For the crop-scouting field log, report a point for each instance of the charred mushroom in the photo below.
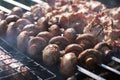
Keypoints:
(51, 54)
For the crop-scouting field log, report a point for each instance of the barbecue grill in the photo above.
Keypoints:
(40, 71)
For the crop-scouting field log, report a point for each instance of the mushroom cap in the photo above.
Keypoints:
(20, 23)
(55, 30)
(70, 34)
(86, 40)
(11, 33)
(12, 18)
(31, 28)
(68, 64)
(3, 28)
(36, 45)
(29, 16)
(51, 54)
(61, 41)
(76, 48)
(106, 50)
(17, 11)
(89, 58)
(46, 35)
(22, 40)
(102, 47)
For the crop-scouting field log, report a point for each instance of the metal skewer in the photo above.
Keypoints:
(5, 9)
(37, 1)
(110, 69)
(17, 4)
(115, 59)
(90, 74)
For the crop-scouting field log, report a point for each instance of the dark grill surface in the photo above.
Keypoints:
(39, 71)
(35, 70)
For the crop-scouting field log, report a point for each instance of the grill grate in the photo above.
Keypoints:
(12, 58)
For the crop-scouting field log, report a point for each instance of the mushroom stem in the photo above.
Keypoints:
(89, 61)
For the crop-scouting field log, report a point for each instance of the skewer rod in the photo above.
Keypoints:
(37, 1)
(18, 4)
(109, 68)
(116, 59)
(5, 9)
(90, 74)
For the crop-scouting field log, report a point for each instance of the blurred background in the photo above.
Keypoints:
(108, 3)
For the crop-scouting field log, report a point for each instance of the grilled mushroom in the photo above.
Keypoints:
(31, 28)
(2, 15)
(20, 23)
(17, 11)
(11, 33)
(29, 16)
(46, 35)
(22, 40)
(3, 28)
(76, 48)
(89, 58)
(51, 54)
(35, 46)
(68, 64)
(70, 34)
(86, 40)
(61, 41)
(55, 30)
(12, 18)
(105, 49)
(42, 23)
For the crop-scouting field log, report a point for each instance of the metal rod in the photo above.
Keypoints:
(90, 74)
(37, 1)
(17, 4)
(111, 69)
(5, 9)
(115, 59)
